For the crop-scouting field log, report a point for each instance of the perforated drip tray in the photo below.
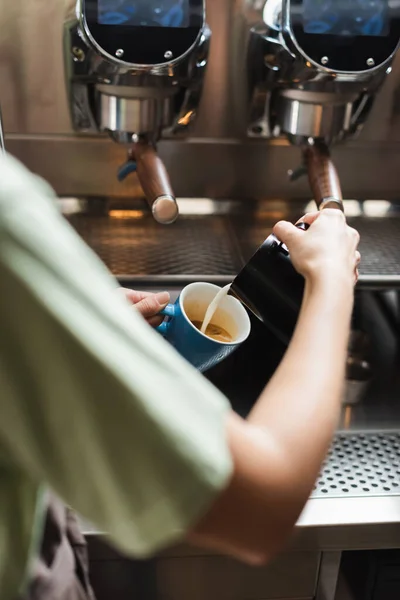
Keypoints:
(133, 245)
(379, 246)
(361, 464)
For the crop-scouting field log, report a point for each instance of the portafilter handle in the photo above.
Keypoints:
(323, 176)
(155, 182)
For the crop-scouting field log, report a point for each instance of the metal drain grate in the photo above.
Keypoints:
(380, 245)
(140, 247)
(361, 465)
(131, 243)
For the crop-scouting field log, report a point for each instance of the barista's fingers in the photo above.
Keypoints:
(155, 321)
(146, 303)
(356, 236)
(133, 296)
(152, 305)
(286, 232)
(358, 261)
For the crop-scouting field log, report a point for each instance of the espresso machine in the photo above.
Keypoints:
(135, 71)
(315, 67)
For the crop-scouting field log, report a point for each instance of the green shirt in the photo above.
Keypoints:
(94, 403)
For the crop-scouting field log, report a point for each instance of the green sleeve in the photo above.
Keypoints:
(93, 401)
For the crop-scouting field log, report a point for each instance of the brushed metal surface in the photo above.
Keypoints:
(216, 162)
(319, 120)
(131, 114)
(205, 168)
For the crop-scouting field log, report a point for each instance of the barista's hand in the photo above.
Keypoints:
(327, 249)
(149, 305)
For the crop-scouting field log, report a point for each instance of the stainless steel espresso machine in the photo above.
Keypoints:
(315, 67)
(135, 71)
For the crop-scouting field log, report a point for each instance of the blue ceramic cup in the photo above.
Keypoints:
(202, 351)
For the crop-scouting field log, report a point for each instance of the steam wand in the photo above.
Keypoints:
(153, 177)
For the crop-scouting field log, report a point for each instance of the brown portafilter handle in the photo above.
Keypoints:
(323, 177)
(154, 179)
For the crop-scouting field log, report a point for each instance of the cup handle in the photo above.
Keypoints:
(169, 311)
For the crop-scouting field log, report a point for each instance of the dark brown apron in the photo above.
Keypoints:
(61, 571)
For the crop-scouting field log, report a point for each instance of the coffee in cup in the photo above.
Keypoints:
(215, 332)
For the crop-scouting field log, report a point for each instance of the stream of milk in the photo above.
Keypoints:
(213, 307)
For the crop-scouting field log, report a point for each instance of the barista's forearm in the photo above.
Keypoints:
(300, 406)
